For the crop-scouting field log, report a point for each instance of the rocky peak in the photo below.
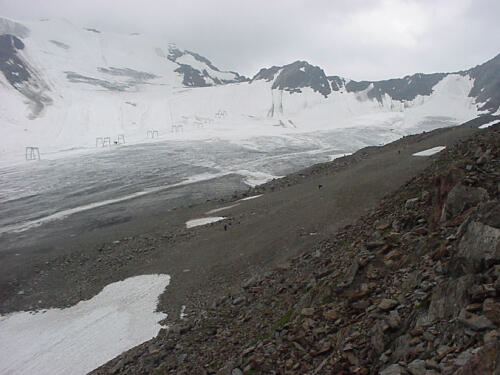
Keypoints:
(198, 71)
(294, 76)
(486, 87)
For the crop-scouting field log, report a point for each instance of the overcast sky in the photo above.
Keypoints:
(359, 39)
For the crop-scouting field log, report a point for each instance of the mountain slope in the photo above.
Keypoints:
(62, 86)
(412, 287)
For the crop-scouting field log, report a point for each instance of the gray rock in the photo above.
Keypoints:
(307, 311)
(181, 358)
(479, 248)
(410, 204)
(475, 322)
(463, 358)
(394, 320)
(417, 367)
(447, 299)
(374, 244)
(394, 369)
(236, 371)
(462, 197)
(387, 304)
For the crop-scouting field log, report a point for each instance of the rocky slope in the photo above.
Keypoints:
(300, 74)
(411, 288)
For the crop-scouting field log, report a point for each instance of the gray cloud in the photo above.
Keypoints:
(352, 38)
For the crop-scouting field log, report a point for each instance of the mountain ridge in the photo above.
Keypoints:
(66, 85)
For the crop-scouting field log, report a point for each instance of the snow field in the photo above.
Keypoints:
(80, 338)
(430, 151)
(203, 221)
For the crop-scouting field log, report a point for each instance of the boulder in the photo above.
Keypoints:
(394, 369)
(387, 304)
(491, 310)
(463, 197)
(448, 298)
(479, 248)
(485, 361)
(474, 322)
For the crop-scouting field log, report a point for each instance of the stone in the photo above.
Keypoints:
(393, 369)
(307, 311)
(463, 197)
(393, 319)
(448, 298)
(374, 244)
(479, 248)
(239, 300)
(236, 371)
(491, 309)
(416, 331)
(331, 314)
(491, 336)
(410, 204)
(387, 304)
(463, 358)
(485, 361)
(474, 322)
(417, 367)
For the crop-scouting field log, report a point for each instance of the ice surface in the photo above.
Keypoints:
(80, 338)
(202, 221)
(430, 151)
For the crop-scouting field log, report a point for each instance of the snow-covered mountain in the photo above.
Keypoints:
(62, 86)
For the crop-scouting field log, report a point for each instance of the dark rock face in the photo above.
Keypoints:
(20, 75)
(60, 44)
(127, 72)
(406, 88)
(266, 73)
(93, 30)
(193, 77)
(336, 82)
(10, 64)
(295, 76)
(135, 78)
(292, 77)
(486, 87)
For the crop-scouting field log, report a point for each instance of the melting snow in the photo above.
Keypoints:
(80, 338)
(203, 221)
(484, 126)
(249, 198)
(221, 209)
(336, 156)
(430, 151)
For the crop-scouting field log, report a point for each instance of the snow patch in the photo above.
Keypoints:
(215, 210)
(203, 221)
(336, 156)
(80, 338)
(484, 126)
(249, 198)
(255, 178)
(430, 151)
